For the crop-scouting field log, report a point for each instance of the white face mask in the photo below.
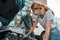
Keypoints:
(35, 13)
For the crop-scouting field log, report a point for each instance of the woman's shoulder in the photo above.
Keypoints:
(49, 11)
(49, 15)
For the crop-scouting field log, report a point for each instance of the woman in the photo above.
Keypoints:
(46, 19)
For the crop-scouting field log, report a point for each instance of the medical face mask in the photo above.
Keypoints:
(36, 14)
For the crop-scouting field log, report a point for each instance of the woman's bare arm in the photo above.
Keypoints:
(32, 28)
(47, 33)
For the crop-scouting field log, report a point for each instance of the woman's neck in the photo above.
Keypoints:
(41, 16)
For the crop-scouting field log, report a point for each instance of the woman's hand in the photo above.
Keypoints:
(25, 36)
(44, 37)
(30, 31)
